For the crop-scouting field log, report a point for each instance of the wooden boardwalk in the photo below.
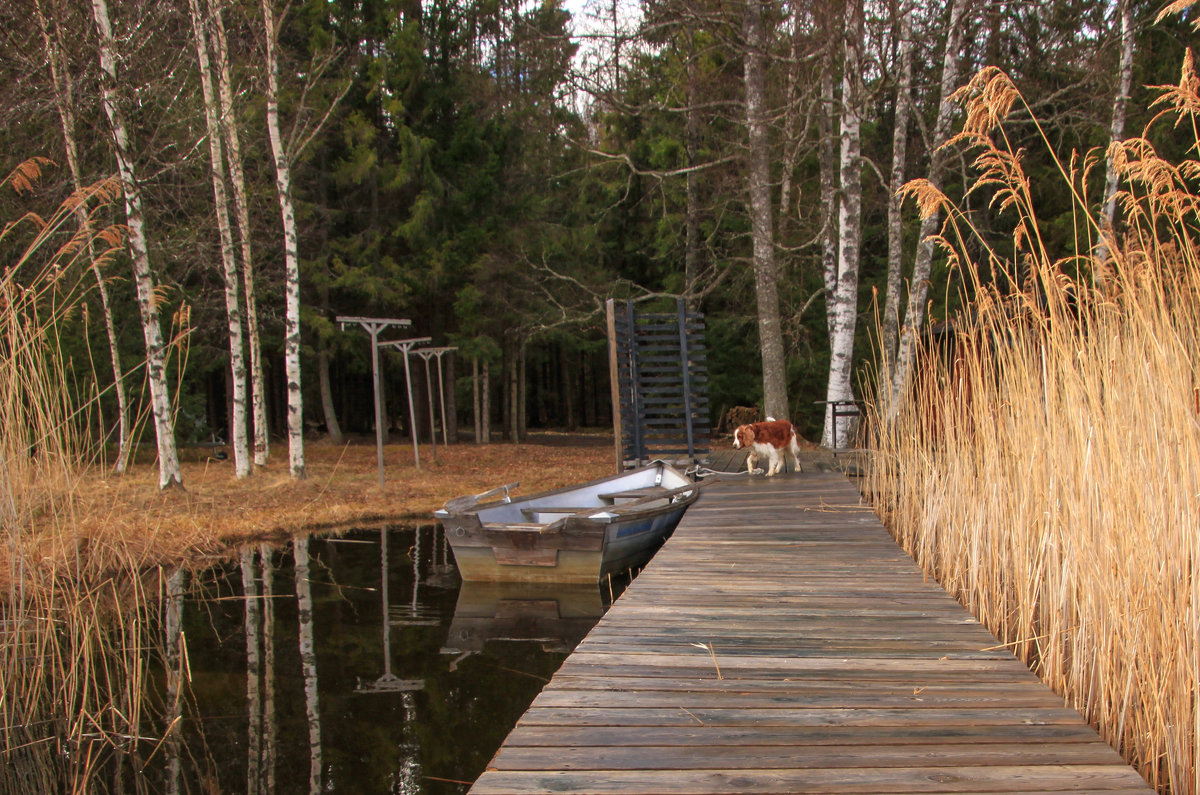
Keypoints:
(782, 643)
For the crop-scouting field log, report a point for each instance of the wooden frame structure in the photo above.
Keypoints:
(659, 379)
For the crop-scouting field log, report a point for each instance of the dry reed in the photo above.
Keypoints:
(1045, 467)
(74, 649)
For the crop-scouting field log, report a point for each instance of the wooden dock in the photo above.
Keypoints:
(782, 643)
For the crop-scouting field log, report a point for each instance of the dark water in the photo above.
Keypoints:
(384, 675)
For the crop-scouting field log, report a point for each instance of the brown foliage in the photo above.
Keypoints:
(127, 518)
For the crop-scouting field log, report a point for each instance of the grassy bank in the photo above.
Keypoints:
(1046, 466)
(126, 520)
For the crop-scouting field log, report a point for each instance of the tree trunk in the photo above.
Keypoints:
(904, 104)
(308, 662)
(844, 307)
(828, 168)
(770, 330)
(328, 410)
(233, 302)
(1117, 130)
(65, 102)
(266, 556)
(919, 286)
(448, 382)
(691, 245)
(283, 185)
(241, 204)
(485, 411)
(512, 397)
(169, 474)
(252, 612)
(331, 421)
(522, 393)
(791, 122)
(476, 405)
(570, 392)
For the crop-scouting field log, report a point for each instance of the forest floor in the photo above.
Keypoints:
(119, 521)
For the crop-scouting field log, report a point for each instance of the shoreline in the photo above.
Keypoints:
(114, 523)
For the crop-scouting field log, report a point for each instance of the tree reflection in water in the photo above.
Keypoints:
(407, 702)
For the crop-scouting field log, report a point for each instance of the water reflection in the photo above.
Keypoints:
(360, 665)
(554, 616)
(349, 665)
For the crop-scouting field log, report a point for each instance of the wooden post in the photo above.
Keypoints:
(686, 368)
(425, 354)
(614, 379)
(404, 346)
(435, 353)
(373, 326)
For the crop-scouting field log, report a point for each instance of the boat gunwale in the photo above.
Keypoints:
(474, 510)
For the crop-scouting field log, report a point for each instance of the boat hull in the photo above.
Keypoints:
(558, 546)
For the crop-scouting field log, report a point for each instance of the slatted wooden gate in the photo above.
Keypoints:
(659, 376)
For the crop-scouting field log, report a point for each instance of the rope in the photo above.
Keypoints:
(699, 472)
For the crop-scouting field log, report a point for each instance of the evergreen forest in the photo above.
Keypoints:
(213, 183)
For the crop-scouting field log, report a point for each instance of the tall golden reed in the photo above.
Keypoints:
(1046, 466)
(74, 644)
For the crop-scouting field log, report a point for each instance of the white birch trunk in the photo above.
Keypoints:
(175, 644)
(269, 722)
(770, 330)
(904, 104)
(241, 204)
(283, 184)
(233, 301)
(65, 101)
(169, 474)
(1117, 129)
(253, 618)
(308, 663)
(828, 167)
(918, 289)
(844, 306)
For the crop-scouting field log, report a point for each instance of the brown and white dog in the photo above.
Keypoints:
(768, 439)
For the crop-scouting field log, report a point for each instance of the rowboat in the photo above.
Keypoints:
(576, 534)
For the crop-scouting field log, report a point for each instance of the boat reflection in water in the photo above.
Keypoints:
(555, 616)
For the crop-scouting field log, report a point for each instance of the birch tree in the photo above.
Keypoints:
(828, 166)
(918, 289)
(241, 204)
(1117, 128)
(233, 312)
(169, 474)
(770, 330)
(843, 304)
(283, 189)
(64, 100)
(895, 221)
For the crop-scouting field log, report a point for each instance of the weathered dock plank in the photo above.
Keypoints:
(782, 643)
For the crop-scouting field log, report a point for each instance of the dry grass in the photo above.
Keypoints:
(123, 521)
(1046, 467)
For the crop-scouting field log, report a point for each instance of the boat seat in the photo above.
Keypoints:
(528, 513)
(634, 494)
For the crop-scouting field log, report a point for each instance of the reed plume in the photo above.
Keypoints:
(1045, 467)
